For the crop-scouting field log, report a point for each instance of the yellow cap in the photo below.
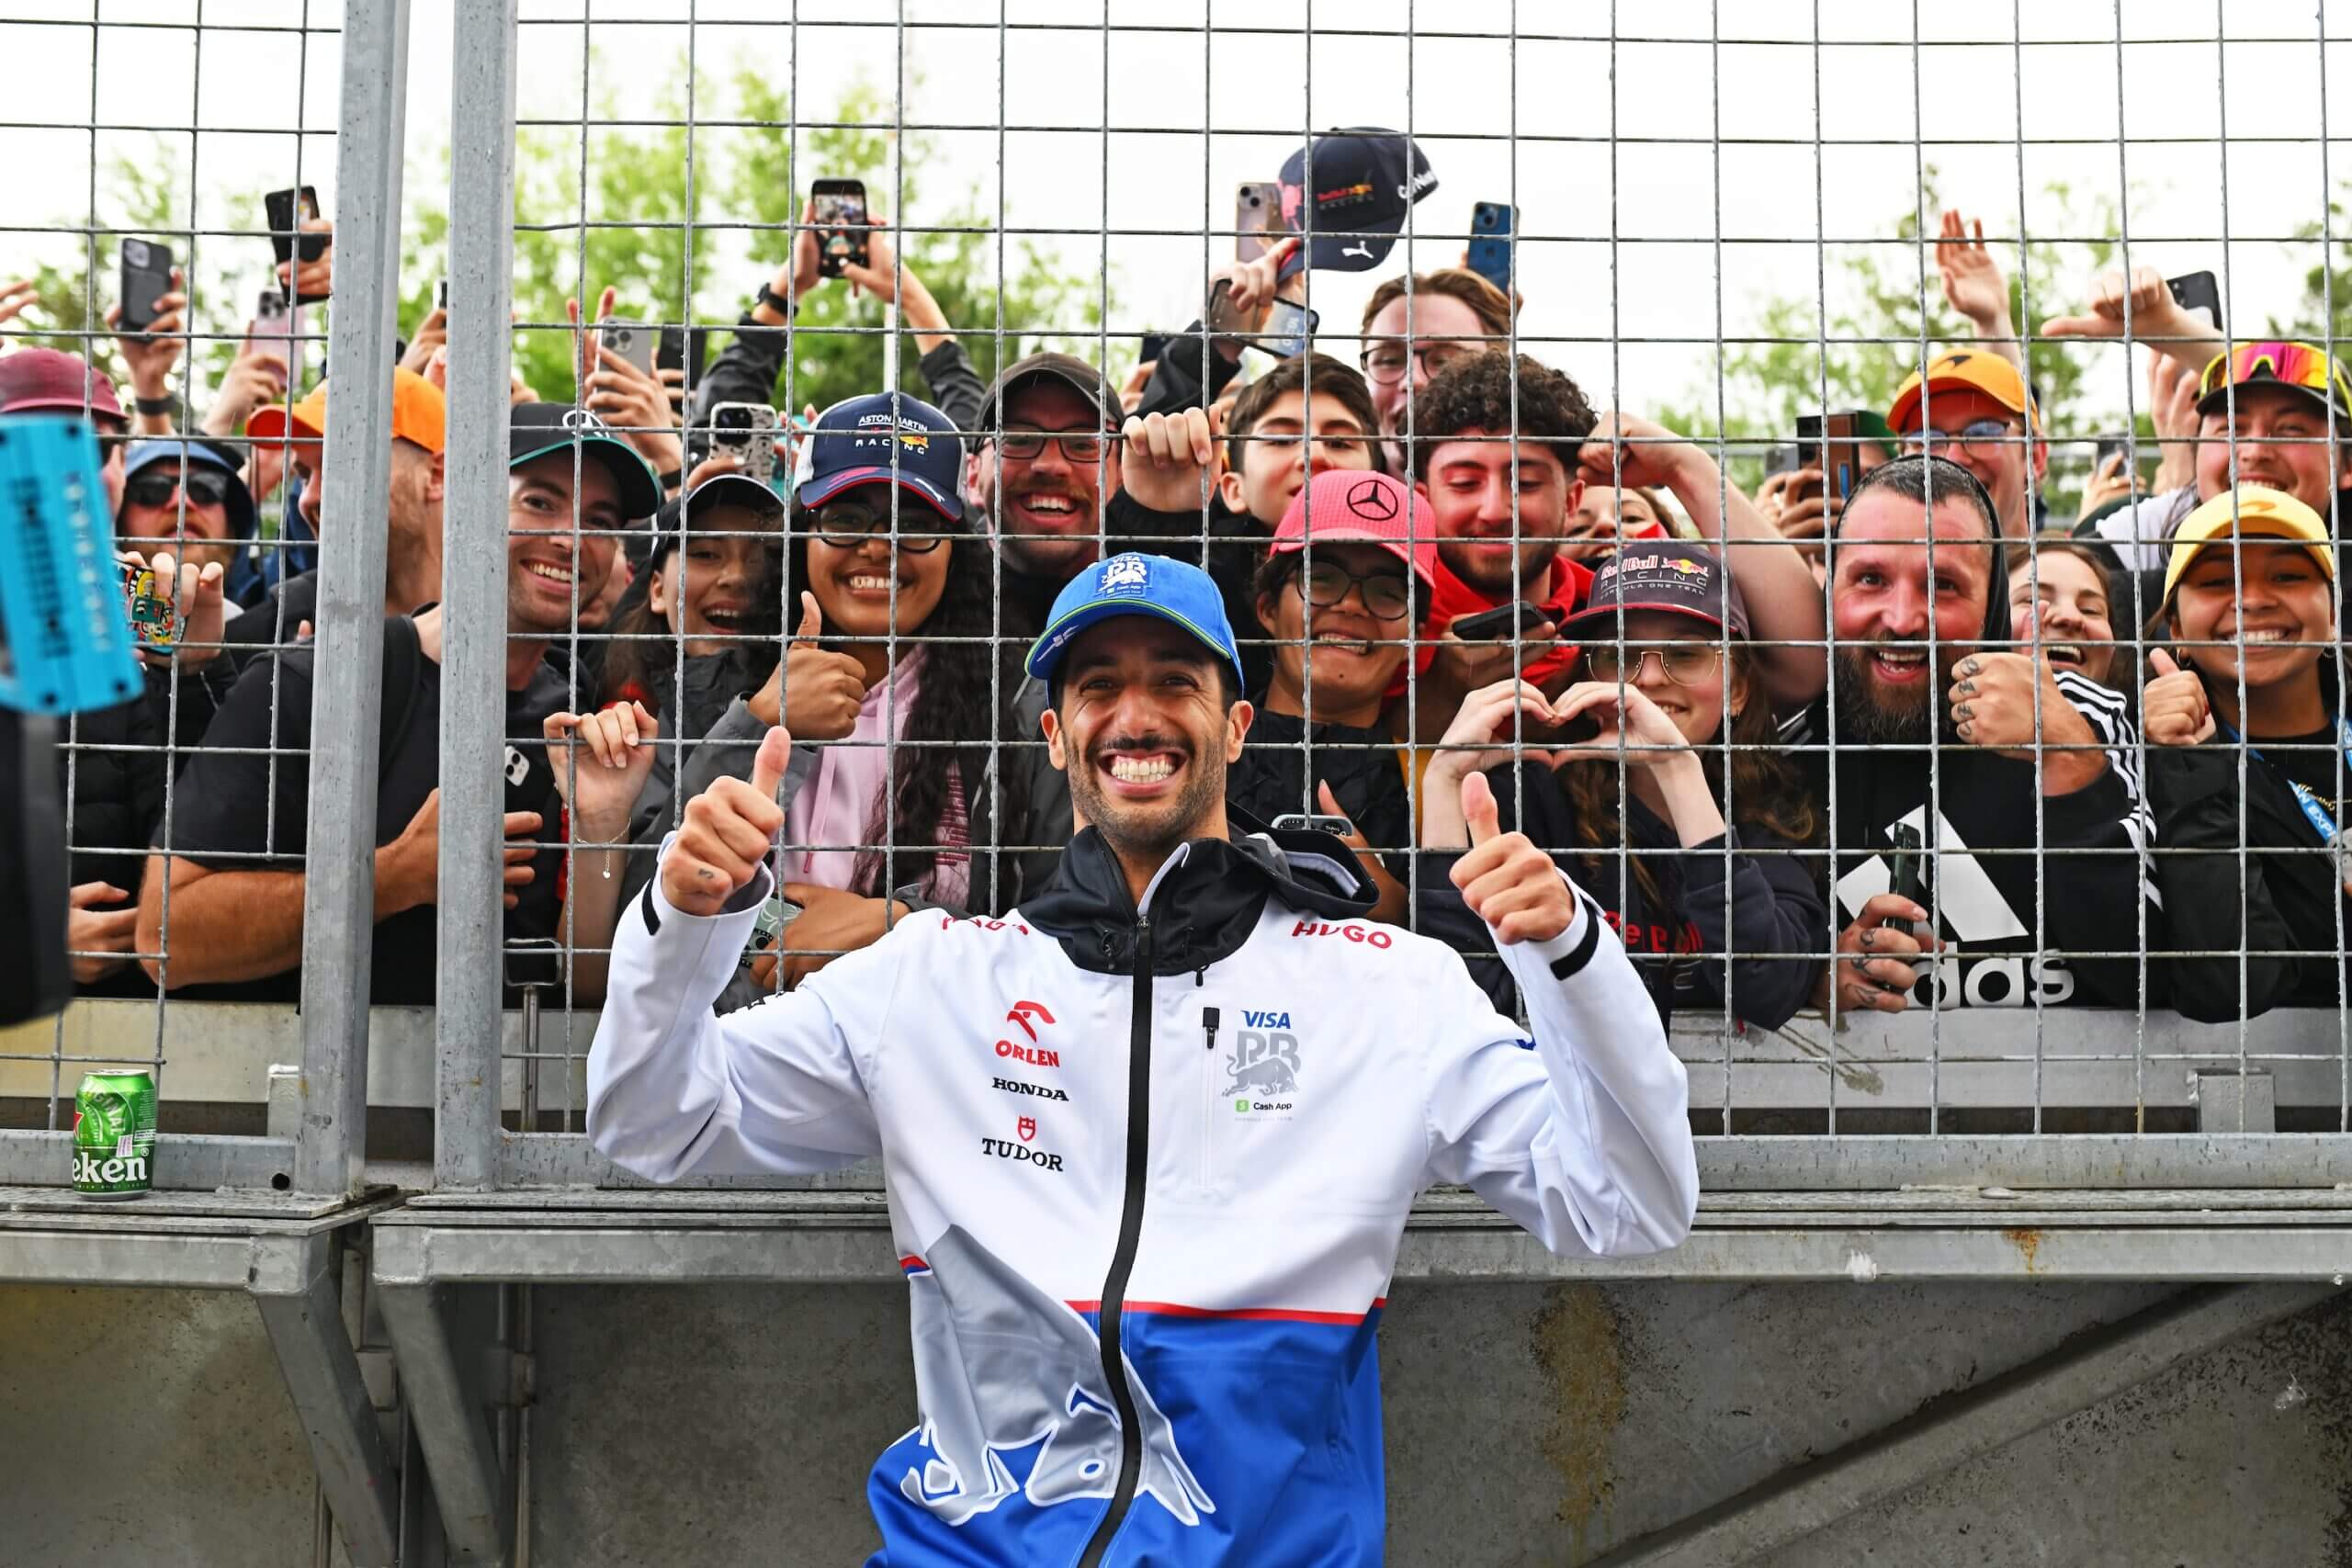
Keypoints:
(1963, 370)
(2252, 512)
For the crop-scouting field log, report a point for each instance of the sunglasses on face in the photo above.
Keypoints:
(204, 488)
(2294, 364)
(847, 525)
(1326, 583)
(1685, 663)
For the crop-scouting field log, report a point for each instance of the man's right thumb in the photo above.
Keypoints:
(2162, 662)
(1479, 809)
(767, 768)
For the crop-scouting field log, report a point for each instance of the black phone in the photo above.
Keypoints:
(1909, 878)
(2108, 446)
(837, 210)
(1513, 620)
(1154, 344)
(1829, 441)
(669, 349)
(287, 210)
(2192, 290)
(146, 278)
(1491, 226)
(1313, 822)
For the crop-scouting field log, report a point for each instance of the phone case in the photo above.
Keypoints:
(1489, 253)
(62, 617)
(146, 278)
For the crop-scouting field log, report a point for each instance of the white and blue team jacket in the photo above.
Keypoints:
(1147, 1173)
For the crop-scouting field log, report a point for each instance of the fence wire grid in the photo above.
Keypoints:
(1922, 352)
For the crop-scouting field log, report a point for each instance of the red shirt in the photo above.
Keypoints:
(1452, 598)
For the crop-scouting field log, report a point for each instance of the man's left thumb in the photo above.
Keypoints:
(1479, 809)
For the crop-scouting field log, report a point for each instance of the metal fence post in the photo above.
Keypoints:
(473, 663)
(338, 901)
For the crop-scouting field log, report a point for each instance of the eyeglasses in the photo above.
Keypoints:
(1326, 583)
(1078, 445)
(1979, 438)
(847, 525)
(205, 487)
(1685, 663)
(2295, 364)
(1386, 363)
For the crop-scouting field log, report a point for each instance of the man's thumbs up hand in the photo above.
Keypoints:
(729, 829)
(1506, 880)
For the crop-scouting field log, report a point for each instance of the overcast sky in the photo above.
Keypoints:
(1661, 235)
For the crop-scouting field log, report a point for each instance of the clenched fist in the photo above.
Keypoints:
(729, 829)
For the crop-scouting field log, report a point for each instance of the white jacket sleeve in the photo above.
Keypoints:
(1584, 1138)
(773, 1088)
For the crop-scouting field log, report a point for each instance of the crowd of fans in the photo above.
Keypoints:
(1886, 735)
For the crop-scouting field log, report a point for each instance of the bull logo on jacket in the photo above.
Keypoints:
(1264, 1059)
(1000, 1368)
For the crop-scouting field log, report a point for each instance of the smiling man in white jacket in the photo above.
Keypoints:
(1150, 1139)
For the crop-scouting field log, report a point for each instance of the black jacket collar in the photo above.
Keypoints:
(1205, 904)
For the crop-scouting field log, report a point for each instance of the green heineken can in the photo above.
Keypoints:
(114, 1134)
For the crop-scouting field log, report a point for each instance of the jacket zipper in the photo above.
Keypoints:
(1123, 1256)
(1208, 1087)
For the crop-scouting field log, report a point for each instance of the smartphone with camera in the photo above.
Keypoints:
(632, 340)
(1491, 226)
(1829, 441)
(1314, 822)
(2198, 290)
(146, 278)
(287, 210)
(837, 210)
(749, 431)
(271, 332)
(1908, 861)
(1257, 223)
(1514, 621)
(1222, 317)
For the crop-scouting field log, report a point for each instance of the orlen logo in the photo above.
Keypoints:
(1368, 934)
(1034, 1054)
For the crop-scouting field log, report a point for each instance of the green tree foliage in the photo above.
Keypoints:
(2323, 315)
(619, 214)
(1790, 360)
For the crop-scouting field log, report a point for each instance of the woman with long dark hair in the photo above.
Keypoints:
(920, 754)
(1699, 872)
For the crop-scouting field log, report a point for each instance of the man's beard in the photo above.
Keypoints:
(1153, 833)
(1534, 569)
(1863, 720)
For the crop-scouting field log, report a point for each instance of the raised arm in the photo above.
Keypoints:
(674, 1091)
(1586, 1139)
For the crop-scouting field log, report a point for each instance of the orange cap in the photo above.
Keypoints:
(1962, 370)
(419, 414)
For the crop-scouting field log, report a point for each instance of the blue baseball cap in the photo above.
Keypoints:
(884, 438)
(236, 502)
(1365, 178)
(1132, 584)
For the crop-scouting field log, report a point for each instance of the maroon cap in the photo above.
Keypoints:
(1342, 506)
(46, 380)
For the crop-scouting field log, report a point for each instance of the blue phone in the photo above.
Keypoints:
(65, 635)
(1492, 223)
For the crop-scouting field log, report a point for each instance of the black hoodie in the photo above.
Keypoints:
(2005, 914)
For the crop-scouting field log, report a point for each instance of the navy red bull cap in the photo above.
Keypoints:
(1365, 178)
(883, 438)
(1176, 591)
(1671, 575)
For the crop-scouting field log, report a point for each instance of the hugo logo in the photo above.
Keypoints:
(1369, 935)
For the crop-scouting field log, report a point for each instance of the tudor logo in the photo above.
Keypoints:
(1372, 501)
(1027, 1128)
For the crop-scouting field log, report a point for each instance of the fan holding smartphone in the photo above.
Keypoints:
(149, 320)
(303, 240)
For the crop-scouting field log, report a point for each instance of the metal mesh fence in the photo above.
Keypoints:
(1647, 311)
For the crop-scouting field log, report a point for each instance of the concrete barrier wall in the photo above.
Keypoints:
(1528, 1425)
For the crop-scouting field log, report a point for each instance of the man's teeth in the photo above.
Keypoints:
(1141, 770)
(1904, 656)
(552, 574)
(1054, 503)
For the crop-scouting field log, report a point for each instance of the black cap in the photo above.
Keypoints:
(720, 489)
(1671, 575)
(1069, 370)
(1365, 180)
(535, 429)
